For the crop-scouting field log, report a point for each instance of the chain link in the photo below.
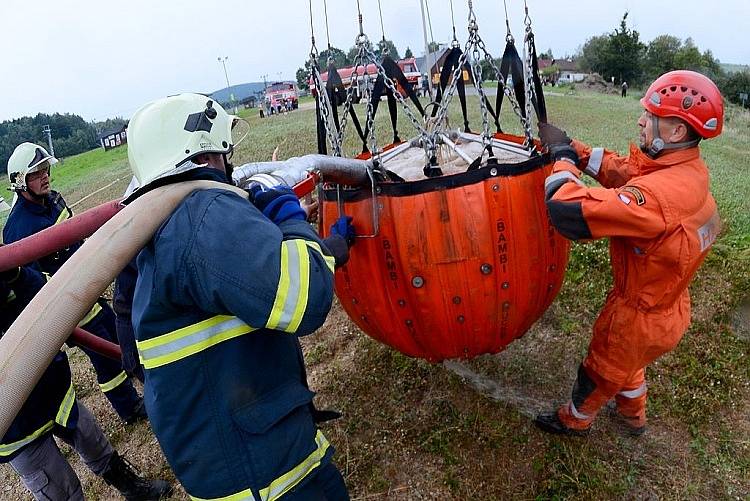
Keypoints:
(476, 70)
(324, 102)
(527, 48)
(361, 42)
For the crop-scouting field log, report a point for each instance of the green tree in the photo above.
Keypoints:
(338, 56)
(408, 54)
(302, 77)
(433, 47)
(623, 54)
(732, 85)
(591, 55)
(71, 134)
(660, 55)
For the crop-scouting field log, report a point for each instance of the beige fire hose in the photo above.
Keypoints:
(30, 344)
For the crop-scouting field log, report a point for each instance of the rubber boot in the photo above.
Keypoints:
(121, 475)
(550, 422)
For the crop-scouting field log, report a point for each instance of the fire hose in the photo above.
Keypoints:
(72, 291)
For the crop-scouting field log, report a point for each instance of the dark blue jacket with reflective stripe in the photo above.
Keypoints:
(27, 218)
(231, 410)
(40, 412)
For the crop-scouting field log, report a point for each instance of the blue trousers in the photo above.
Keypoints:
(115, 385)
(325, 485)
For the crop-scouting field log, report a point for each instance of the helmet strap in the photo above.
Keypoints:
(228, 169)
(658, 145)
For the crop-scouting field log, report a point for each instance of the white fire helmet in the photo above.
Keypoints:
(25, 159)
(164, 135)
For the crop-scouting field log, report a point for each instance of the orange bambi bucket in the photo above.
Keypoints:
(453, 266)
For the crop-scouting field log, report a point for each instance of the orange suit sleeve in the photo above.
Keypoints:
(607, 167)
(581, 212)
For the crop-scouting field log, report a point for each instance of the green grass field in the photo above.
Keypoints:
(412, 430)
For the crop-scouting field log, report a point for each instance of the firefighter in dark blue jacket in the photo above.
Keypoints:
(38, 207)
(224, 289)
(52, 409)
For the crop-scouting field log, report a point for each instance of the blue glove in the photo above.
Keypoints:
(344, 228)
(278, 204)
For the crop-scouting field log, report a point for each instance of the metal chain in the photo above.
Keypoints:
(476, 70)
(361, 42)
(448, 94)
(527, 63)
(505, 88)
(397, 94)
(528, 48)
(323, 102)
(326, 111)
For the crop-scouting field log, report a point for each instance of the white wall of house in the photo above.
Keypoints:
(570, 76)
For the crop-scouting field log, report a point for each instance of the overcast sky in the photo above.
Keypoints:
(104, 59)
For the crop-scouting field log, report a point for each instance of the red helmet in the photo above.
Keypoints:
(690, 96)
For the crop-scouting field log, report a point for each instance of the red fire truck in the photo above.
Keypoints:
(282, 96)
(365, 77)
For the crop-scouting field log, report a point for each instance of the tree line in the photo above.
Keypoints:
(622, 55)
(71, 134)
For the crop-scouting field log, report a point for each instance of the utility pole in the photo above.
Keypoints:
(48, 134)
(223, 61)
(265, 81)
(427, 54)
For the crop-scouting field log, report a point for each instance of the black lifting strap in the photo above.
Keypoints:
(449, 66)
(538, 99)
(337, 94)
(393, 72)
(322, 146)
(512, 64)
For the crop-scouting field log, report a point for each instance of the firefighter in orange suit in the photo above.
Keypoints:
(656, 208)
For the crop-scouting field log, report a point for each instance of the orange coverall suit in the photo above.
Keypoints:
(661, 220)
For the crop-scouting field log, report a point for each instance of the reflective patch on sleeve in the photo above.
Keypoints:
(709, 231)
(554, 181)
(638, 196)
(624, 199)
(595, 162)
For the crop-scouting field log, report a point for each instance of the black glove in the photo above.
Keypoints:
(560, 151)
(549, 134)
(9, 276)
(278, 204)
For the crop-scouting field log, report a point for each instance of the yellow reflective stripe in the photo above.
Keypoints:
(114, 382)
(94, 311)
(294, 282)
(11, 296)
(304, 287)
(8, 449)
(190, 340)
(247, 494)
(330, 261)
(64, 214)
(287, 481)
(282, 291)
(66, 406)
